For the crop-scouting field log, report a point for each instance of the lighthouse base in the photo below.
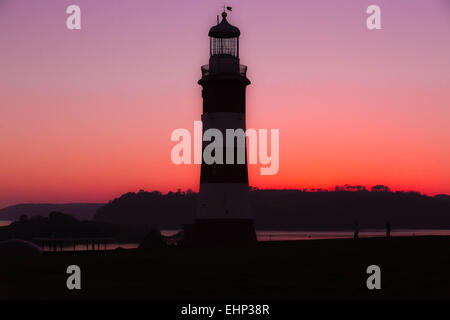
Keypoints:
(223, 232)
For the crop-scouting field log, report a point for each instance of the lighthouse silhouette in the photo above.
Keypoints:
(223, 213)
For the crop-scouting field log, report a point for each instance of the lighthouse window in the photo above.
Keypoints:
(224, 46)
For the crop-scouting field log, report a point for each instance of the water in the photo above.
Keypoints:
(318, 235)
(288, 235)
(275, 235)
(4, 223)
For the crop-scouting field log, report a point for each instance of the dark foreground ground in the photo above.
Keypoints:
(411, 268)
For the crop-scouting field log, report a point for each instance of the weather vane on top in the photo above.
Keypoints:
(227, 8)
(224, 13)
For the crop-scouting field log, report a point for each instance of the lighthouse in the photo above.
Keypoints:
(223, 213)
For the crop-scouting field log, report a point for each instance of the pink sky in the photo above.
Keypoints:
(87, 115)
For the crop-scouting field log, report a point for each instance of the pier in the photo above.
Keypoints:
(53, 244)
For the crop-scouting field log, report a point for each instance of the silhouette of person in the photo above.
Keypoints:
(356, 234)
(388, 229)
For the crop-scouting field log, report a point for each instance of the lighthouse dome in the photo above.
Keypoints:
(224, 29)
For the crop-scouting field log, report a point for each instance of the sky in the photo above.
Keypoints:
(86, 115)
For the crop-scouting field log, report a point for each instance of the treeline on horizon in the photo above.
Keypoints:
(292, 209)
(62, 225)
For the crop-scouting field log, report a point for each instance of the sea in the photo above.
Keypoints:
(4, 223)
(278, 235)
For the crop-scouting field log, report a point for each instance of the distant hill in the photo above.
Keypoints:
(81, 211)
(164, 211)
(293, 209)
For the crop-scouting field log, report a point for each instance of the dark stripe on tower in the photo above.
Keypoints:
(224, 95)
(225, 173)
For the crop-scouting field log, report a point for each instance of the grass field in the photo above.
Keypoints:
(416, 267)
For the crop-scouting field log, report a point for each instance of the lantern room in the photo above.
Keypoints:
(224, 39)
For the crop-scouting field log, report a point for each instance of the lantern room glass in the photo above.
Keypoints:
(224, 46)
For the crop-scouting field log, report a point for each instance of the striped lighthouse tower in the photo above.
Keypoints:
(223, 214)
